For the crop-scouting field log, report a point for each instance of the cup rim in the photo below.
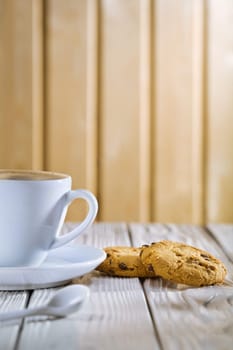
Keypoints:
(55, 176)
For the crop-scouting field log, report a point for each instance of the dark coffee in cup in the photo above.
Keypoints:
(29, 175)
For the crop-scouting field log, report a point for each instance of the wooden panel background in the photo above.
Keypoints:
(133, 98)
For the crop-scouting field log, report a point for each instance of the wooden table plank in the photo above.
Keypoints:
(186, 317)
(223, 233)
(9, 330)
(115, 317)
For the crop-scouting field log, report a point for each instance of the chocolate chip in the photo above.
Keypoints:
(123, 266)
(150, 268)
(205, 257)
(178, 254)
(212, 268)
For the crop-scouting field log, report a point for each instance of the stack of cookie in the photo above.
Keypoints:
(174, 261)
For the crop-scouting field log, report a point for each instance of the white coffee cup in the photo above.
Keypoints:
(33, 206)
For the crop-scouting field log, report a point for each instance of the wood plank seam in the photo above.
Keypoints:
(98, 106)
(153, 158)
(114, 303)
(156, 331)
(92, 93)
(145, 116)
(205, 112)
(198, 110)
(170, 302)
(210, 233)
(22, 321)
(44, 72)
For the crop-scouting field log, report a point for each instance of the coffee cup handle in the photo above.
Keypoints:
(91, 215)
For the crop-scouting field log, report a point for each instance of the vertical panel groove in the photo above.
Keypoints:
(205, 112)
(198, 102)
(145, 109)
(153, 158)
(37, 84)
(92, 94)
(98, 108)
(44, 72)
(219, 111)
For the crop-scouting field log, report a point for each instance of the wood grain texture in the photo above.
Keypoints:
(223, 233)
(20, 86)
(177, 180)
(132, 98)
(121, 311)
(71, 90)
(209, 310)
(124, 82)
(220, 109)
(192, 320)
(116, 316)
(9, 330)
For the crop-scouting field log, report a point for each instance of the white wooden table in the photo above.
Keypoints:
(135, 314)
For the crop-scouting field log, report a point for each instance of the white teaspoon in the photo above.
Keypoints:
(62, 303)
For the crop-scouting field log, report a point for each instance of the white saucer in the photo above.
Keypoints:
(60, 267)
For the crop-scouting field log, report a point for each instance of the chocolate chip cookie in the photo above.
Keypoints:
(181, 263)
(124, 262)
